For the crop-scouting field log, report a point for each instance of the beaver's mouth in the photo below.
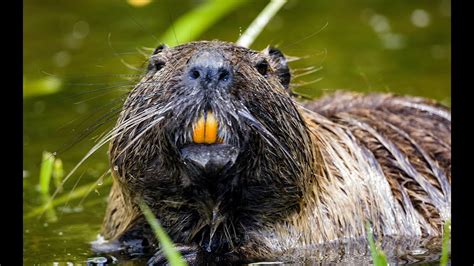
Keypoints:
(208, 153)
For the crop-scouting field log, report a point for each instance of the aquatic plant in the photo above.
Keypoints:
(378, 256)
(193, 23)
(166, 245)
(46, 172)
(446, 242)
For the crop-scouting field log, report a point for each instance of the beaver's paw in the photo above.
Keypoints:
(193, 255)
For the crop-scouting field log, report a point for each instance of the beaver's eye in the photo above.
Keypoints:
(262, 67)
(156, 64)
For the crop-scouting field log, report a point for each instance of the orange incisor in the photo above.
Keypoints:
(205, 130)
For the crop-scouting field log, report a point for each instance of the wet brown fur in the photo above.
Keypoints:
(381, 158)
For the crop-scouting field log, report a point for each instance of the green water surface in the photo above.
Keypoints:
(77, 67)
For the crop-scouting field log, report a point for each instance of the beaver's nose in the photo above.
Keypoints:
(209, 69)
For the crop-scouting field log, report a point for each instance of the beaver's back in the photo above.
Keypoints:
(409, 137)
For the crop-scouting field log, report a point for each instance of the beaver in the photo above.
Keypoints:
(234, 166)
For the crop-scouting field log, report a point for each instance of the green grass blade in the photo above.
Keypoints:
(378, 257)
(446, 240)
(49, 212)
(173, 256)
(46, 172)
(77, 193)
(259, 23)
(58, 172)
(192, 24)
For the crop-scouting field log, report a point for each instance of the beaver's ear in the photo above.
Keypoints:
(280, 65)
(160, 48)
(156, 63)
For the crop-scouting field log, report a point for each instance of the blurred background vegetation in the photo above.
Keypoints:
(79, 60)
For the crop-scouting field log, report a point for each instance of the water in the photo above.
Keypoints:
(83, 49)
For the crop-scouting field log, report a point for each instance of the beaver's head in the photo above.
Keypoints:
(211, 139)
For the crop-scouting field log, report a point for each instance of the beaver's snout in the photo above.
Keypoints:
(208, 75)
(208, 69)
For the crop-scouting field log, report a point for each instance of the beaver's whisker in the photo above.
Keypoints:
(98, 96)
(104, 119)
(99, 180)
(115, 87)
(92, 84)
(302, 69)
(73, 188)
(304, 83)
(109, 136)
(130, 66)
(138, 118)
(142, 51)
(311, 71)
(89, 76)
(156, 121)
(89, 153)
(271, 140)
(60, 187)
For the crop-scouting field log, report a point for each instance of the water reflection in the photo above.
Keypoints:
(355, 252)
